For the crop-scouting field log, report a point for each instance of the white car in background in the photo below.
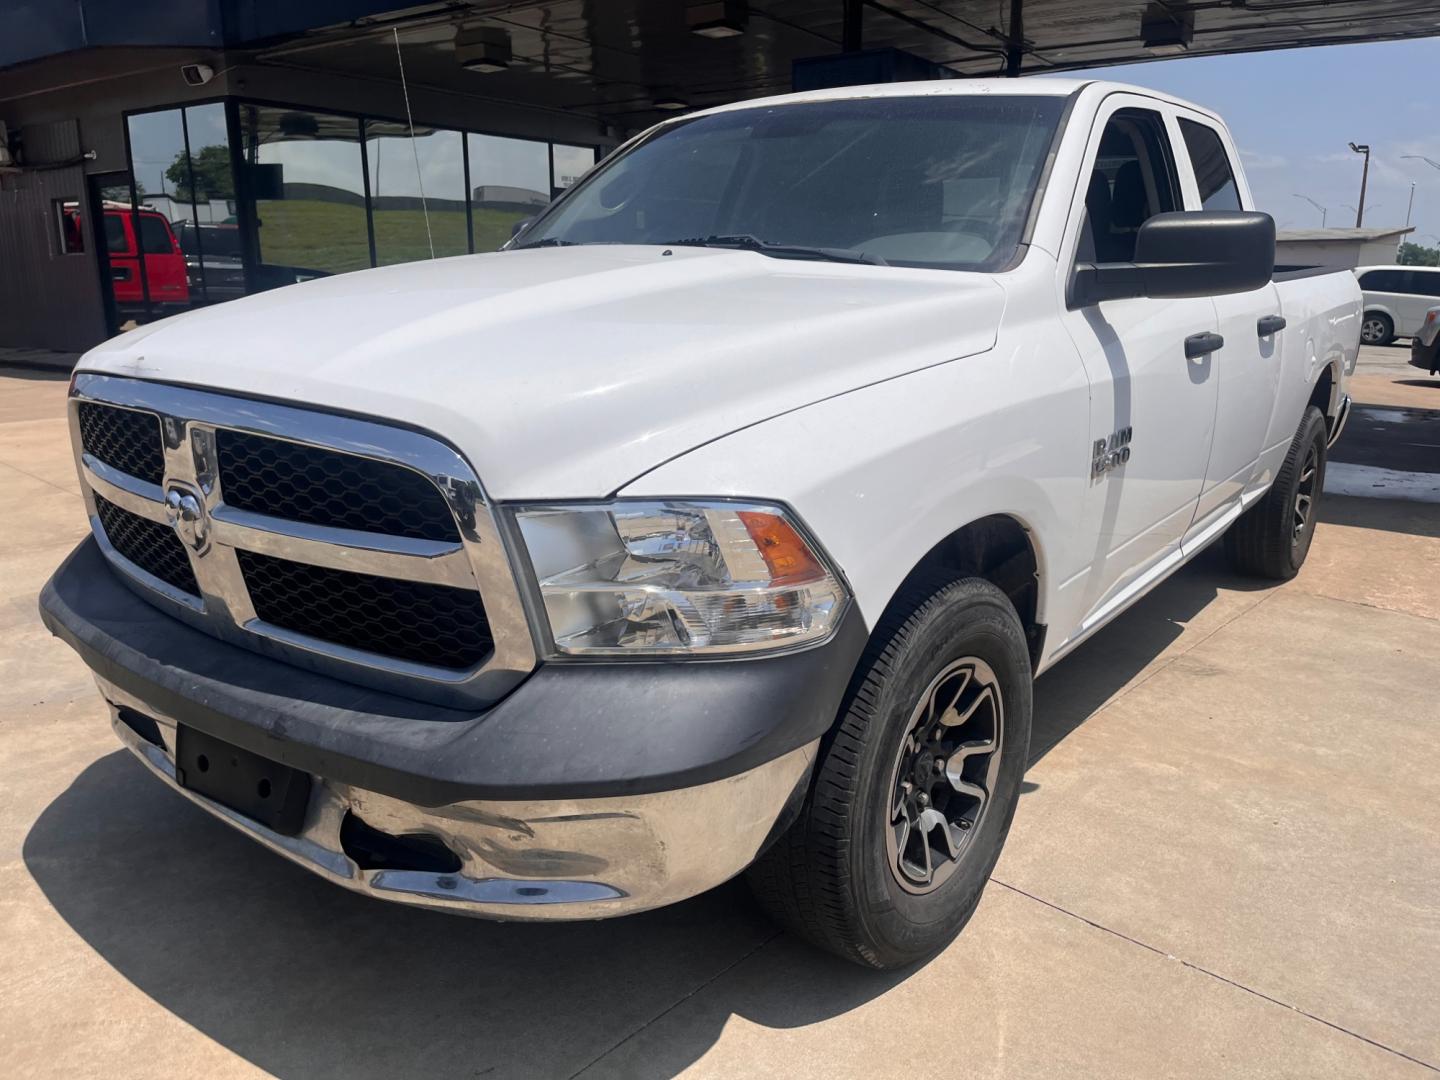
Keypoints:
(1396, 299)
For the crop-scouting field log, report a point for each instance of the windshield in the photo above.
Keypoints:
(942, 181)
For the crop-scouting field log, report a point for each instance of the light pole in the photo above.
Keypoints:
(1411, 208)
(1362, 148)
(1324, 211)
(1421, 157)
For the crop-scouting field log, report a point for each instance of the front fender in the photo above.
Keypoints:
(883, 474)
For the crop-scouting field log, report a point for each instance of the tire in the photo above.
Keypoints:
(1377, 328)
(1272, 538)
(835, 877)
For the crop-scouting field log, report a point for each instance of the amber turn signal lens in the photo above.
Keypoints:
(789, 558)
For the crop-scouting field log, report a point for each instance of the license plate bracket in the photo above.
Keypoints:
(265, 791)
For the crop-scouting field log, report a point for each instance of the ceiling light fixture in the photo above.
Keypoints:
(483, 48)
(1166, 32)
(716, 18)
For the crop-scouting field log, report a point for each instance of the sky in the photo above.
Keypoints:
(1293, 112)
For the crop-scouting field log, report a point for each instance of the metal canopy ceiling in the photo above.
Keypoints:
(613, 59)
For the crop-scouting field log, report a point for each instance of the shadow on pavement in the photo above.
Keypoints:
(1071, 692)
(1388, 515)
(300, 977)
(28, 373)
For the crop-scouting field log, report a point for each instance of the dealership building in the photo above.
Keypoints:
(160, 155)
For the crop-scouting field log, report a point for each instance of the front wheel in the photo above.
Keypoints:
(916, 785)
(1272, 538)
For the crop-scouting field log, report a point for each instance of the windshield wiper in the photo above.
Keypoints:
(549, 241)
(748, 242)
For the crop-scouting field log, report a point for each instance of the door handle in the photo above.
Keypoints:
(1269, 324)
(1197, 345)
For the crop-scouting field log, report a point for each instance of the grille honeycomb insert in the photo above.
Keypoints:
(124, 439)
(406, 620)
(326, 487)
(153, 547)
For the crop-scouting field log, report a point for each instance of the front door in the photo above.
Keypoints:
(1152, 409)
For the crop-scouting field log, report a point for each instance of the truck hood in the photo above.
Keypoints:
(567, 372)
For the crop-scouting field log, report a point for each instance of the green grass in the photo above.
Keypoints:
(331, 236)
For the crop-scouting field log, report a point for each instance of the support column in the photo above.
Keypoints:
(1015, 50)
(853, 21)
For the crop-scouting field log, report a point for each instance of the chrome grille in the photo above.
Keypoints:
(153, 548)
(310, 484)
(338, 544)
(124, 439)
(427, 624)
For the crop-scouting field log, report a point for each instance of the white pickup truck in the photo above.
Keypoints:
(722, 522)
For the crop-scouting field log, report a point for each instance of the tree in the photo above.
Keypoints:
(1418, 255)
(210, 166)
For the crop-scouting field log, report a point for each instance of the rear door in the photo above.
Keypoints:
(165, 272)
(1247, 366)
(1152, 411)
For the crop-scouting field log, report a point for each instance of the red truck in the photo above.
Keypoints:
(165, 274)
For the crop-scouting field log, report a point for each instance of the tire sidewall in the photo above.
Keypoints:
(1312, 433)
(972, 618)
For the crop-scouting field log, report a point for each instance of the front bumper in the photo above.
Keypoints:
(530, 860)
(591, 790)
(1424, 356)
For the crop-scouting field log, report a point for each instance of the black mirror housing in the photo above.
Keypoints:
(1186, 254)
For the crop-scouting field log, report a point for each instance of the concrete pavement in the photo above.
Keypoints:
(1226, 861)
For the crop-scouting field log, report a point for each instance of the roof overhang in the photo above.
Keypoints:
(617, 59)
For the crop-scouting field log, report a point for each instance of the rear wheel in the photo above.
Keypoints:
(1272, 538)
(1377, 329)
(915, 787)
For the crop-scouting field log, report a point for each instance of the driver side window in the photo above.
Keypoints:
(1132, 181)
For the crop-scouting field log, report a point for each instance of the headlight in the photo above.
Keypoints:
(636, 577)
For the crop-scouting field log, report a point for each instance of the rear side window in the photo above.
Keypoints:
(1213, 175)
(155, 236)
(1424, 283)
(1385, 281)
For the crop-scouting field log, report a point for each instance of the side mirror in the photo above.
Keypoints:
(1195, 253)
(520, 226)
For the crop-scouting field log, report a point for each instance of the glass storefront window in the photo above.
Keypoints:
(305, 174)
(396, 187)
(569, 164)
(210, 237)
(149, 277)
(326, 194)
(509, 181)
